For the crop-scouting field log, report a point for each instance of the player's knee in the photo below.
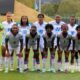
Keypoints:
(59, 59)
(66, 59)
(20, 55)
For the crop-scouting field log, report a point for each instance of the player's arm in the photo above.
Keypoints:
(6, 43)
(44, 42)
(26, 41)
(21, 44)
(73, 41)
(38, 41)
(58, 40)
(69, 43)
(53, 42)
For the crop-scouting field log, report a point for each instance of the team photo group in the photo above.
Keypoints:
(40, 39)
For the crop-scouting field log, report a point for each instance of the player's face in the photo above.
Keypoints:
(15, 29)
(24, 18)
(58, 19)
(33, 30)
(64, 28)
(9, 16)
(49, 30)
(72, 20)
(40, 19)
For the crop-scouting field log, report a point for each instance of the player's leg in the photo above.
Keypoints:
(77, 60)
(66, 60)
(52, 57)
(11, 61)
(44, 57)
(26, 59)
(36, 56)
(20, 59)
(59, 60)
(2, 60)
(72, 60)
(7, 59)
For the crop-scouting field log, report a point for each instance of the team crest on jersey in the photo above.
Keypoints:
(24, 31)
(72, 32)
(57, 29)
(41, 31)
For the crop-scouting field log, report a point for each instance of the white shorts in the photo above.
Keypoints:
(34, 47)
(16, 50)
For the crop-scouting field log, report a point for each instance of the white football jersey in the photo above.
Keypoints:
(7, 27)
(72, 30)
(24, 31)
(40, 28)
(57, 27)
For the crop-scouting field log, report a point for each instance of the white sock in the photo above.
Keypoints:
(6, 62)
(59, 65)
(38, 66)
(25, 66)
(3, 60)
(51, 63)
(72, 67)
(66, 65)
(44, 63)
(34, 62)
(11, 62)
(20, 63)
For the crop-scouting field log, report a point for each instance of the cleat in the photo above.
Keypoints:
(11, 69)
(38, 70)
(17, 69)
(53, 70)
(25, 70)
(60, 70)
(21, 70)
(6, 70)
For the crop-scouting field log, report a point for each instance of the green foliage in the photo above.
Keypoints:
(29, 3)
(65, 8)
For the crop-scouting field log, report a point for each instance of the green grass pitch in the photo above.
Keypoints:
(37, 75)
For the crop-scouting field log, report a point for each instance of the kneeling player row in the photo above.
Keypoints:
(14, 43)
